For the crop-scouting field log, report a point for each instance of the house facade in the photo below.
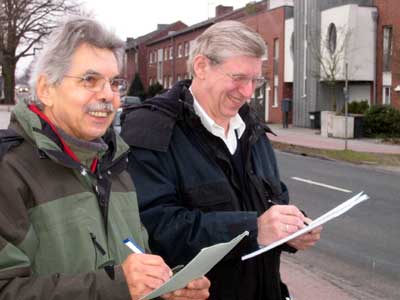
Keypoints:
(313, 48)
(388, 52)
(167, 55)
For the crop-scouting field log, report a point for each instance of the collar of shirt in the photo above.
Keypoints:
(235, 124)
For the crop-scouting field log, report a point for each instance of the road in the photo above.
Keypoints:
(358, 251)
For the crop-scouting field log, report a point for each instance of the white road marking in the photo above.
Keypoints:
(321, 184)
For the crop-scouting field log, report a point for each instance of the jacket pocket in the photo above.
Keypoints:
(215, 196)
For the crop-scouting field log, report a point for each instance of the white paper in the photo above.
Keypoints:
(333, 213)
(200, 265)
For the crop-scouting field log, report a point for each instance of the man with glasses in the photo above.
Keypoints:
(67, 202)
(205, 171)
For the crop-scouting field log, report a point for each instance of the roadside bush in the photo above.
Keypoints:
(154, 89)
(382, 121)
(357, 107)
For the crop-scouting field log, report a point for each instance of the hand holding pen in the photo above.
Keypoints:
(278, 222)
(304, 241)
(144, 272)
(146, 266)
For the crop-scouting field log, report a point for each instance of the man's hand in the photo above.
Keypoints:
(278, 222)
(306, 240)
(144, 273)
(195, 290)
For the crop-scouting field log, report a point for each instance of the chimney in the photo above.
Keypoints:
(222, 10)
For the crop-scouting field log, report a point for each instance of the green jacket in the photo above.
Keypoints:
(61, 226)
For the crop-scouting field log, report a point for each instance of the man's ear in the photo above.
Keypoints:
(201, 65)
(44, 91)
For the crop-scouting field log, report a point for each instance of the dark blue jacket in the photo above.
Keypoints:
(191, 196)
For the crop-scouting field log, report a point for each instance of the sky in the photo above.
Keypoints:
(134, 18)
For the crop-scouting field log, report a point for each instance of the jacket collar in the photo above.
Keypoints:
(44, 135)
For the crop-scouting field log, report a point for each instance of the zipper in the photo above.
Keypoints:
(97, 244)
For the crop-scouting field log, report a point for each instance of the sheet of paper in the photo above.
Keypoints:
(200, 265)
(333, 213)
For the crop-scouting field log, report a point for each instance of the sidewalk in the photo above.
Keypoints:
(305, 284)
(311, 138)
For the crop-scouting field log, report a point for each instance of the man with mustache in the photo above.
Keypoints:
(205, 170)
(67, 202)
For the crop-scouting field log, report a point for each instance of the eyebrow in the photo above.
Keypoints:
(93, 72)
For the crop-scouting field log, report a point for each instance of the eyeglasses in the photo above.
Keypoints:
(95, 83)
(240, 79)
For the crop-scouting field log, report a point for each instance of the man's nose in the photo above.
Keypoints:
(247, 89)
(107, 92)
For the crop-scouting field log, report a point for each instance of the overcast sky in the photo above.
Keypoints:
(133, 18)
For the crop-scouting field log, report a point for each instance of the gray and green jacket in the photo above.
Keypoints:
(62, 226)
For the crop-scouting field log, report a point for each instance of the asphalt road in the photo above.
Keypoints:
(359, 251)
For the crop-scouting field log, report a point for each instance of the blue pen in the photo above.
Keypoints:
(133, 246)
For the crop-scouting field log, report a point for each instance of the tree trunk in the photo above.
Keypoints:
(9, 67)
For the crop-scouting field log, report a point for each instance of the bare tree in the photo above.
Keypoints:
(23, 24)
(329, 51)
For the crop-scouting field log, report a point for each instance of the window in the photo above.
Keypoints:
(151, 81)
(171, 53)
(169, 81)
(180, 53)
(276, 88)
(292, 46)
(187, 49)
(265, 57)
(386, 99)
(276, 49)
(331, 38)
(150, 57)
(165, 81)
(178, 77)
(165, 53)
(387, 48)
(136, 58)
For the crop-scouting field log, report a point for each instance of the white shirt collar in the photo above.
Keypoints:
(235, 124)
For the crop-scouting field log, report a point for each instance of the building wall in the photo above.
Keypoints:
(311, 94)
(388, 15)
(142, 52)
(174, 67)
(270, 25)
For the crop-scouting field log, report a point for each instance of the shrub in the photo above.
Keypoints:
(382, 121)
(357, 107)
(154, 89)
(136, 88)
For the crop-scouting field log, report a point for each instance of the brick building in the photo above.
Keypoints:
(136, 53)
(167, 54)
(388, 52)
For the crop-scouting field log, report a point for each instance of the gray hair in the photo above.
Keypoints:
(55, 58)
(224, 40)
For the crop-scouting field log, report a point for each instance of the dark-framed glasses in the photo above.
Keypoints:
(95, 83)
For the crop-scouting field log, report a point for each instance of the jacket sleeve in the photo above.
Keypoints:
(17, 277)
(176, 232)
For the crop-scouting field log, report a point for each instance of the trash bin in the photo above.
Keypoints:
(358, 126)
(286, 108)
(315, 119)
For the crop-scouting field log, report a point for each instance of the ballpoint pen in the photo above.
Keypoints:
(133, 246)
(274, 203)
(138, 250)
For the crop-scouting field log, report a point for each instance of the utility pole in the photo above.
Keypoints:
(346, 100)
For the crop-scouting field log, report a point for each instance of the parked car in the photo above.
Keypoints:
(129, 100)
(116, 124)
